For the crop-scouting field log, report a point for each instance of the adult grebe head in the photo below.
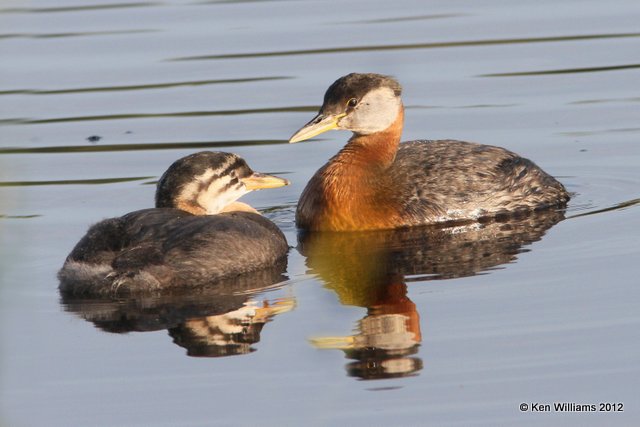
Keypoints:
(362, 103)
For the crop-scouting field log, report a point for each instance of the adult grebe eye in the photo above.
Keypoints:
(352, 102)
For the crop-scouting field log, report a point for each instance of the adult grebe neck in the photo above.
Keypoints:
(352, 191)
(376, 150)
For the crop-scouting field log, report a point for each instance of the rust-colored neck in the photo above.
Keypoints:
(352, 191)
(376, 149)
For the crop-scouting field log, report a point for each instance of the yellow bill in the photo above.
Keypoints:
(319, 124)
(260, 181)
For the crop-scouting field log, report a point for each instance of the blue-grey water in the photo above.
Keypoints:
(446, 330)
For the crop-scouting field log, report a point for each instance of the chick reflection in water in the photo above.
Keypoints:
(196, 234)
(228, 334)
(222, 319)
(371, 269)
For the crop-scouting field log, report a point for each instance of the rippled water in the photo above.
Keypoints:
(97, 99)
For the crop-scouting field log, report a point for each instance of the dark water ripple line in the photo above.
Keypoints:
(458, 107)
(73, 181)
(297, 109)
(13, 121)
(616, 207)
(405, 19)
(66, 149)
(85, 8)
(579, 207)
(477, 106)
(564, 71)
(77, 34)
(599, 132)
(408, 46)
(605, 100)
(2, 216)
(225, 2)
(139, 87)
(291, 207)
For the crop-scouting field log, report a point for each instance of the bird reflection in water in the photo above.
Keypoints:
(228, 334)
(371, 269)
(387, 338)
(223, 319)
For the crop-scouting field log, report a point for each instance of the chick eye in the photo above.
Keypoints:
(352, 102)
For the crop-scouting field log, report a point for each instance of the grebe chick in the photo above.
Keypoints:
(196, 235)
(375, 182)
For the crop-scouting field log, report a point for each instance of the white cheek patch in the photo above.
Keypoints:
(220, 192)
(211, 197)
(375, 112)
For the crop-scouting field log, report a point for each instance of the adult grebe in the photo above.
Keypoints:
(375, 182)
(197, 233)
